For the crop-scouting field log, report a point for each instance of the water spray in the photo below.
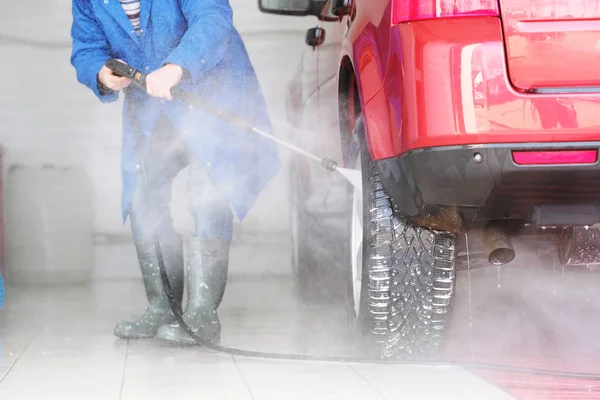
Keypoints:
(138, 80)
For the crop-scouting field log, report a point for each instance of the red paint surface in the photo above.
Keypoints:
(415, 10)
(368, 46)
(552, 43)
(446, 83)
(555, 157)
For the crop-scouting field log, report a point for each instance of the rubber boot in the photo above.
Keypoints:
(207, 267)
(158, 312)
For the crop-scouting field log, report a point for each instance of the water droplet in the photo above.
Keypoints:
(498, 277)
(470, 297)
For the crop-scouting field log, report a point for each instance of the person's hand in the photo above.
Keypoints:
(111, 81)
(160, 82)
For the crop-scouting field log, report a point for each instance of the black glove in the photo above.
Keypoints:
(104, 91)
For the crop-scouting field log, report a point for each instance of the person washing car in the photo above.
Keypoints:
(193, 45)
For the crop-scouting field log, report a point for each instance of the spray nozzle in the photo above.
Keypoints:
(329, 164)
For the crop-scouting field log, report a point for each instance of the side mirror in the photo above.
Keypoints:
(315, 37)
(296, 8)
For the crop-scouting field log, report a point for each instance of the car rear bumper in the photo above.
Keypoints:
(447, 188)
(447, 84)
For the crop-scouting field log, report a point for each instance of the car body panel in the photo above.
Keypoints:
(368, 45)
(434, 84)
(439, 106)
(552, 44)
(410, 101)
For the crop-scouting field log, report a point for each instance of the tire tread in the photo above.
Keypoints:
(410, 281)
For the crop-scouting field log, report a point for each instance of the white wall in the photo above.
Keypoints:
(46, 116)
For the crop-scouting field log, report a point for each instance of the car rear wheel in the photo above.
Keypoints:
(402, 275)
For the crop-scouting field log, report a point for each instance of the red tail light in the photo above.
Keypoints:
(414, 10)
(555, 157)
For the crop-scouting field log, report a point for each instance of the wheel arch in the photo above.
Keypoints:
(378, 129)
(349, 102)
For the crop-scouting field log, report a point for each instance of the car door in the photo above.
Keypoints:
(319, 120)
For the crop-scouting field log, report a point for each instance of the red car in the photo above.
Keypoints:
(475, 123)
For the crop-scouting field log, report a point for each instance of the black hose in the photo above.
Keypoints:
(200, 341)
(176, 308)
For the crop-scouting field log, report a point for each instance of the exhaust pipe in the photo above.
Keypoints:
(498, 246)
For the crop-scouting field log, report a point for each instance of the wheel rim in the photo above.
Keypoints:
(357, 243)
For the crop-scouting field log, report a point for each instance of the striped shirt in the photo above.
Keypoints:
(132, 9)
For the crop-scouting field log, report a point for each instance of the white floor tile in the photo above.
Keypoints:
(11, 348)
(65, 379)
(156, 351)
(74, 348)
(33, 392)
(323, 391)
(303, 380)
(191, 392)
(158, 371)
(427, 383)
(59, 375)
(3, 372)
(12, 324)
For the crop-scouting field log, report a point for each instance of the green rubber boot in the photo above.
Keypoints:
(158, 312)
(207, 267)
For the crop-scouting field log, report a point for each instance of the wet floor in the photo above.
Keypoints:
(530, 315)
(57, 343)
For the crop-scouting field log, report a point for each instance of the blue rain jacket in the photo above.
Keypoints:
(199, 36)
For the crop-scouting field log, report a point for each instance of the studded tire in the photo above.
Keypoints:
(407, 276)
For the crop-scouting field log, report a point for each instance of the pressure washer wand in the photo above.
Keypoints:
(138, 80)
(327, 163)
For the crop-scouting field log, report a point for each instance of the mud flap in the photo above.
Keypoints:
(579, 246)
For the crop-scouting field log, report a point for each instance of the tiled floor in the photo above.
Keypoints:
(58, 344)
